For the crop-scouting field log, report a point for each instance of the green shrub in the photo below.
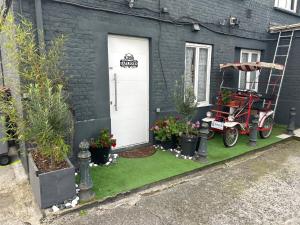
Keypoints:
(43, 116)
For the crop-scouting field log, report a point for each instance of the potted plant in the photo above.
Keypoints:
(186, 105)
(189, 137)
(166, 132)
(101, 147)
(42, 119)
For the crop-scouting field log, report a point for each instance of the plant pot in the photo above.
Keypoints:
(53, 187)
(170, 143)
(99, 155)
(188, 145)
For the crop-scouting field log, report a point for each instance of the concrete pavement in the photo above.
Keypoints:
(17, 206)
(261, 189)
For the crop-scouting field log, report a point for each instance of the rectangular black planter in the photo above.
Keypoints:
(53, 187)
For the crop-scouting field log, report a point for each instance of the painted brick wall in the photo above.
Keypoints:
(86, 46)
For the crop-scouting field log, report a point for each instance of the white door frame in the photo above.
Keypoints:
(249, 52)
(112, 71)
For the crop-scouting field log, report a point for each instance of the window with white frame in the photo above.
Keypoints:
(249, 80)
(197, 71)
(290, 5)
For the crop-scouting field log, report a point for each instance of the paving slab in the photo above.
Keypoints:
(263, 188)
(17, 205)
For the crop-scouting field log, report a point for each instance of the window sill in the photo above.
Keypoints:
(286, 11)
(201, 105)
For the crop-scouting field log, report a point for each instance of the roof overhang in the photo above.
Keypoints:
(284, 28)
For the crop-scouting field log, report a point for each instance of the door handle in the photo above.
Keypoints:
(116, 92)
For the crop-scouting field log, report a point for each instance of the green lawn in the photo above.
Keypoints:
(129, 174)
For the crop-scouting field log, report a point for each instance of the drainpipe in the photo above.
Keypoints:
(39, 24)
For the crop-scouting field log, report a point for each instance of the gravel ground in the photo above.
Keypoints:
(261, 189)
(17, 206)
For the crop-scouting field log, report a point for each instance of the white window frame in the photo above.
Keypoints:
(196, 63)
(286, 7)
(250, 52)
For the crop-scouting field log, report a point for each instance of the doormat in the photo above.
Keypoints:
(138, 153)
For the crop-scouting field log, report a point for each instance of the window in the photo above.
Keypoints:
(289, 5)
(197, 71)
(249, 80)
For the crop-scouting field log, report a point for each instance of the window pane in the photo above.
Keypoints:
(254, 57)
(242, 73)
(253, 74)
(190, 67)
(202, 74)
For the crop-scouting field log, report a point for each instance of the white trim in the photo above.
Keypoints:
(196, 63)
(286, 7)
(249, 52)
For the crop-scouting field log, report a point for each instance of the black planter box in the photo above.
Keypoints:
(53, 187)
(99, 155)
(188, 145)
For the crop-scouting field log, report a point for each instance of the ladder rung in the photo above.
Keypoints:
(282, 46)
(280, 55)
(274, 84)
(277, 75)
(285, 36)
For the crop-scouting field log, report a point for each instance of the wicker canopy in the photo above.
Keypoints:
(251, 66)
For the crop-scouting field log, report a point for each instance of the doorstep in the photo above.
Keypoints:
(148, 188)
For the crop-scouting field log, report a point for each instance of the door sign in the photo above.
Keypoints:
(129, 61)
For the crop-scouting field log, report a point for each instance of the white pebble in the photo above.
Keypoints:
(95, 164)
(177, 155)
(107, 163)
(91, 164)
(77, 191)
(74, 202)
(76, 174)
(110, 160)
(171, 150)
(190, 157)
(76, 185)
(77, 198)
(68, 204)
(55, 208)
(185, 157)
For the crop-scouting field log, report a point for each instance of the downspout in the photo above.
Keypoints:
(39, 24)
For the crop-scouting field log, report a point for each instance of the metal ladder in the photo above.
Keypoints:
(282, 52)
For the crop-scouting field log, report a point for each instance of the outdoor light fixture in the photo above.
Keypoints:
(196, 27)
(131, 3)
(233, 21)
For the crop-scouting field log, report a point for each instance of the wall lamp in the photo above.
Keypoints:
(131, 3)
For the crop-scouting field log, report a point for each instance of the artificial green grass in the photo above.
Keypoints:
(129, 174)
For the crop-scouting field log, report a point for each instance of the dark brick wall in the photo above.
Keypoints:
(290, 92)
(86, 46)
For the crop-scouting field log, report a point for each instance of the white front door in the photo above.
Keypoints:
(129, 89)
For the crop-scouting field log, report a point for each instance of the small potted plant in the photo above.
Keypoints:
(166, 132)
(189, 137)
(101, 147)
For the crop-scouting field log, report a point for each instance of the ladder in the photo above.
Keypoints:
(281, 56)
